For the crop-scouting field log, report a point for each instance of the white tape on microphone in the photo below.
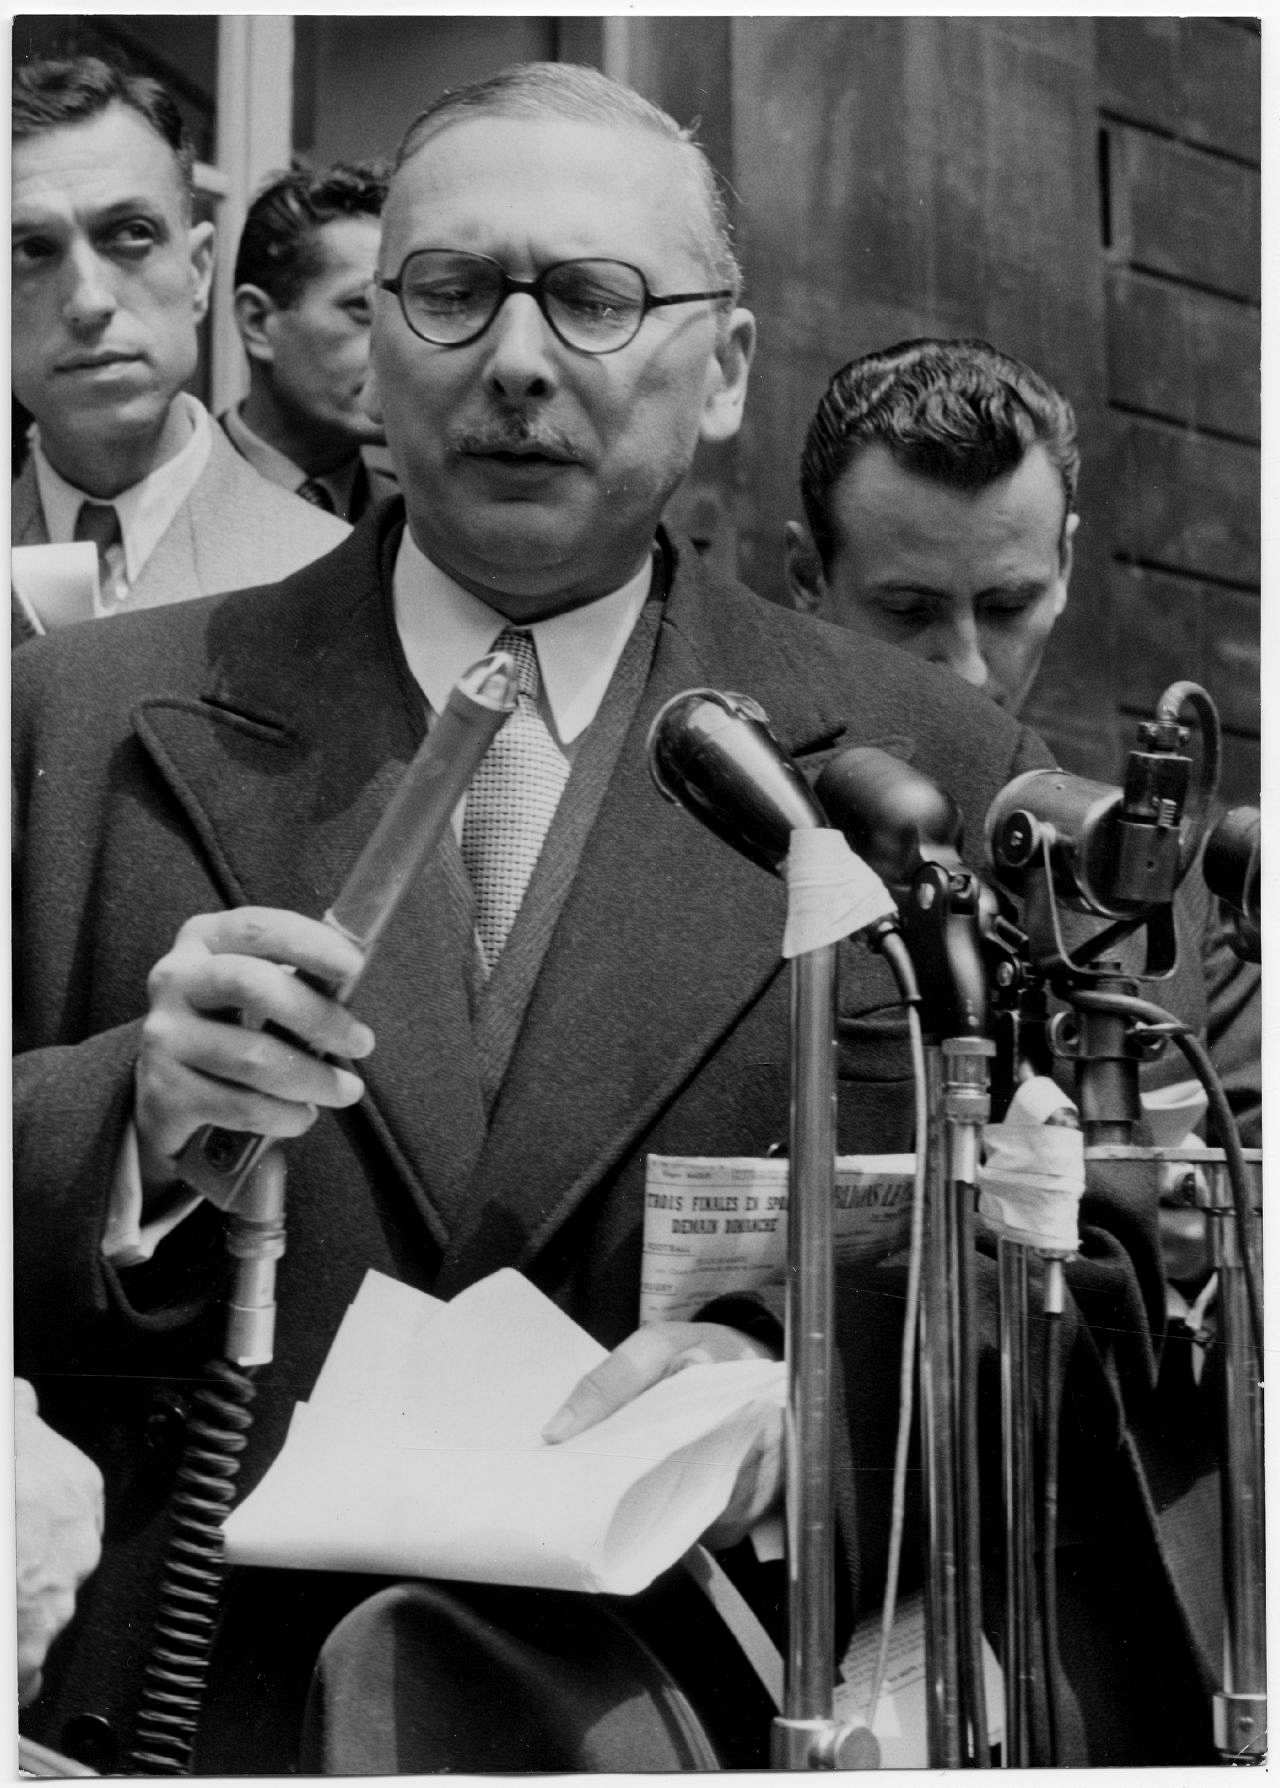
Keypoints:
(1032, 1178)
(831, 892)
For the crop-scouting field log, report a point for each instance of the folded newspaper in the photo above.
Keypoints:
(420, 1454)
(717, 1224)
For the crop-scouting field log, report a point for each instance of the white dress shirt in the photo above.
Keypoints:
(146, 510)
(443, 630)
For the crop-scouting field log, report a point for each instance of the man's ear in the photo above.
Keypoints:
(806, 580)
(726, 390)
(200, 241)
(254, 310)
(1066, 553)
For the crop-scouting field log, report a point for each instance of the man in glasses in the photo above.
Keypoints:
(583, 977)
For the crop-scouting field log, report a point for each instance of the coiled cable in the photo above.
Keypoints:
(192, 1574)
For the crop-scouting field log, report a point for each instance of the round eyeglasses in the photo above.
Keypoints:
(450, 298)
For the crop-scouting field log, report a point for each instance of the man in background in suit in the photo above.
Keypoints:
(304, 304)
(110, 279)
(557, 325)
(939, 481)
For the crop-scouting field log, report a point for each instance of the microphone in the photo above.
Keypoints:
(893, 816)
(1115, 852)
(1233, 872)
(909, 830)
(715, 755)
(215, 1161)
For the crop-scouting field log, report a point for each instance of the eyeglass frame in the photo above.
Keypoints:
(535, 288)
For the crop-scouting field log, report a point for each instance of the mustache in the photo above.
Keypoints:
(515, 434)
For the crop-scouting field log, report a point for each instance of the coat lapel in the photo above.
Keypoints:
(284, 781)
(666, 937)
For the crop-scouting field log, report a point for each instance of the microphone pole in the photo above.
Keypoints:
(909, 830)
(714, 755)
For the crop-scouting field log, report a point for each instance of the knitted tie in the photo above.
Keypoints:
(100, 523)
(313, 492)
(511, 803)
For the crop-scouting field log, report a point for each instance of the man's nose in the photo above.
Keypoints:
(959, 648)
(521, 350)
(90, 298)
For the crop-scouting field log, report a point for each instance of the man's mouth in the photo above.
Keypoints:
(102, 357)
(526, 456)
(529, 451)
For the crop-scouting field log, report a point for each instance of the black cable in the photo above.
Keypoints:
(1156, 1018)
(192, 1574)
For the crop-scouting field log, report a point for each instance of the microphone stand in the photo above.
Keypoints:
(910, 830)
(1104, 1037)
(712, 753)
(805, 1735)
(1240, 1709)
(941, 926)
(1030, 1642)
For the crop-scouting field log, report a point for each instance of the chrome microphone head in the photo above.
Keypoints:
(715, 755)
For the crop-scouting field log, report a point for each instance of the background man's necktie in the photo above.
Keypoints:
(312, 491)
(100, 523)
(511, 803)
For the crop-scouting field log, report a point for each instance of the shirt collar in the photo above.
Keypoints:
(444, 629)
(147, 508)
(280, 469)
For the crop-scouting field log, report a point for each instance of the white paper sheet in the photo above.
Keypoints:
(56, 585)
(420, 1452)
(901, 1723)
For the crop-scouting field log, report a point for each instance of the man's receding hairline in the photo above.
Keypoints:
(705, 235)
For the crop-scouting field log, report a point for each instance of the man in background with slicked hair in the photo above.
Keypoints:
(557, 324)
(939, 487)
(110, 279)
(304, 305)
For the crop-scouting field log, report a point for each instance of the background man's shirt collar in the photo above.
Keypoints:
(278, 468)
(444, 629)
(146, 509)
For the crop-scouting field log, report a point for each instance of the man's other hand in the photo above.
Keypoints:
(59, 1525)
(205, 1056)
(655, 1352)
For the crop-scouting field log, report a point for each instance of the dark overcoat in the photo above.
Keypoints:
(239, 750)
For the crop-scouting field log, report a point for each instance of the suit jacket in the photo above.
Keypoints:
(371, 484)
(240, 750)
(233, 530)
